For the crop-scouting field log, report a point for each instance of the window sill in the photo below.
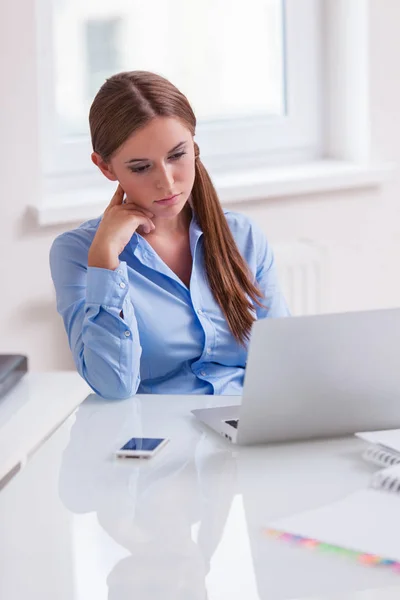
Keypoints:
(322, 176)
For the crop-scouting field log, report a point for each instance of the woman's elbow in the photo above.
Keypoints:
(112, 387)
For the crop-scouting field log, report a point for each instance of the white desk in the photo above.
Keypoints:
(79, 524)
(31, 411)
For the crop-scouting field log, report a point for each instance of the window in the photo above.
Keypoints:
(200, 48)
(251, 71)
(101, 51)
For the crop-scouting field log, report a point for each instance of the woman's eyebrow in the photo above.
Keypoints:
(174, 149)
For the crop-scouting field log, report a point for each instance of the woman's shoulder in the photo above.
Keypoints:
(82, 235)
(75, 240)
(244, 227)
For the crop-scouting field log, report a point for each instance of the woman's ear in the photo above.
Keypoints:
(104, 167)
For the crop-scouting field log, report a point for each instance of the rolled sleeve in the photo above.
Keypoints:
(106, 347)
(108, 288)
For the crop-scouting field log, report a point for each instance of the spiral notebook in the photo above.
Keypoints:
(364, 525)
(384, 449)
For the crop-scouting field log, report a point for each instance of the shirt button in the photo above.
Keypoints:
(203, 373)
(120, 271)
(127, 333)
(200, 312)
(122, 285)
(208, 350)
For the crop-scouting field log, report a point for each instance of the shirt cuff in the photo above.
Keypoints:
(106, 287)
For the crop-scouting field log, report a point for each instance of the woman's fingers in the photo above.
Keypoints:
(146, 225)
(118, 196)
(131, 206)
(117, 200)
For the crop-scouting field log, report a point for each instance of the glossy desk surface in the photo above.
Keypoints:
(79, 524)
(31, 411)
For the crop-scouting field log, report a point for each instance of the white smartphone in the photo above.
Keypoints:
(138, 447)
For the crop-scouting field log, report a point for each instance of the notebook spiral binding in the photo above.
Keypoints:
(389, 483)
(381, 457)
(384, 480)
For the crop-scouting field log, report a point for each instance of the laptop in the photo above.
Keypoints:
(316, 376)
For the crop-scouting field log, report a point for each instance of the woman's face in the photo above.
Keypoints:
(155, 166)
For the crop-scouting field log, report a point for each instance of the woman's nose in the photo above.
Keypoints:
(165, 180)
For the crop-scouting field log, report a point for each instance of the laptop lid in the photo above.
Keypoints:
(321, 375)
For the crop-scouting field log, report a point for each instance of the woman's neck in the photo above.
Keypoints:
(173, 227)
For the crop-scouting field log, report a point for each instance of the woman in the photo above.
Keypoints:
(159, 295)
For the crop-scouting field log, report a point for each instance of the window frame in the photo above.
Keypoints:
(225, 144)
(348, 160)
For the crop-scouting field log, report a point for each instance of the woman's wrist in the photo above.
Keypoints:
(103, 258)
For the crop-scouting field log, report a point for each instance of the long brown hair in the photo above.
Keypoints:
(126, 102)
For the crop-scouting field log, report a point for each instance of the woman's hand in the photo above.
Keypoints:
(116, 228)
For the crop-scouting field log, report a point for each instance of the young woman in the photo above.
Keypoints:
(160, 293)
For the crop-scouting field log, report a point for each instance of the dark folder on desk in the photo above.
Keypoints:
(12, 368)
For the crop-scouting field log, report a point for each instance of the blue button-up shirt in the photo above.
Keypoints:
(140, 329)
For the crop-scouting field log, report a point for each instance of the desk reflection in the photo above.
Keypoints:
(167, 512)
(80, 523)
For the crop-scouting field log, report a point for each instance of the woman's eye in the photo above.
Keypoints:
(139, 169)
(177, 155)
(144, 168)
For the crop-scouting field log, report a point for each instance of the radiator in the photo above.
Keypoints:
(302, 271)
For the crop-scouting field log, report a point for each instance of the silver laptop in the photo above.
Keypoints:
(316, 376)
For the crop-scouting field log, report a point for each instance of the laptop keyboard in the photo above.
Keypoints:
(233, 423)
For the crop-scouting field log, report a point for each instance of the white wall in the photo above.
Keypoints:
(361, 230)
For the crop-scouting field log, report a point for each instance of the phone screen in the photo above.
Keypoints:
(143, 444)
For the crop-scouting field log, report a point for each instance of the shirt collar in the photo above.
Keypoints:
(195, 232)
(138, 244)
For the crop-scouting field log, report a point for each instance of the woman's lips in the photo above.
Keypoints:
(168, 201)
